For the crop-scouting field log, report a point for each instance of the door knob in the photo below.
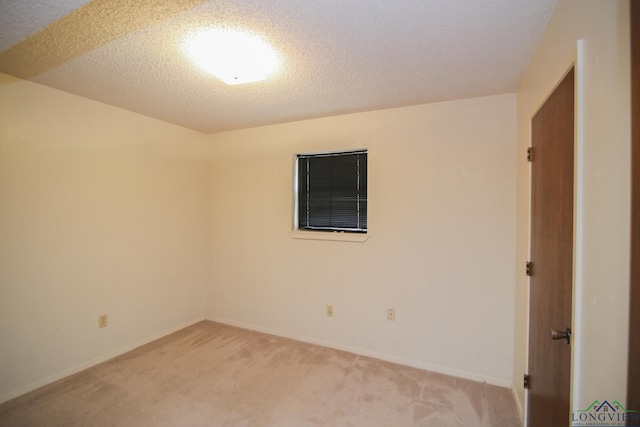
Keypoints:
(565, 334)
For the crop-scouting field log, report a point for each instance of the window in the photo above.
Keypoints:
(332, 192)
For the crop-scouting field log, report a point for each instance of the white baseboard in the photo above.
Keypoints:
(60, 375)
(382, 356)
(519, 404)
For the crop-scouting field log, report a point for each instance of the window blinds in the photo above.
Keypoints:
(332, 191)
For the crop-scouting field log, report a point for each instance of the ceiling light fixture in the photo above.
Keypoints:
(231, 55)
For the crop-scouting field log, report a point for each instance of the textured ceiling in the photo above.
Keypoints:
(338, 56)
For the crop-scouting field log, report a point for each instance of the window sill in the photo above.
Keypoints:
(329, 235)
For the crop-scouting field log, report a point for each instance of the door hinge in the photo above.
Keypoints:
(529, 268)
(527, 381)
(529, 154)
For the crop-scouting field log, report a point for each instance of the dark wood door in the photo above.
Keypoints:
(552, 131)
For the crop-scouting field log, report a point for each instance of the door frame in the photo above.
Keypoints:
(633, 371)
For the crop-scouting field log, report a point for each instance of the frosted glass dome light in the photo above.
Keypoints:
(231, 55)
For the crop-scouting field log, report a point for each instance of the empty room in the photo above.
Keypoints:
(298, 213)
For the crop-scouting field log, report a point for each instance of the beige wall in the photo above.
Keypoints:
(441, 245)
(101, 211)
(602, 190)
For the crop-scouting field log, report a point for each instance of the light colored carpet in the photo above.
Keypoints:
(216, 375)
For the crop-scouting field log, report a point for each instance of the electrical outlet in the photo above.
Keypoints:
(391, 314)
(102, 321)
(330, 310)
